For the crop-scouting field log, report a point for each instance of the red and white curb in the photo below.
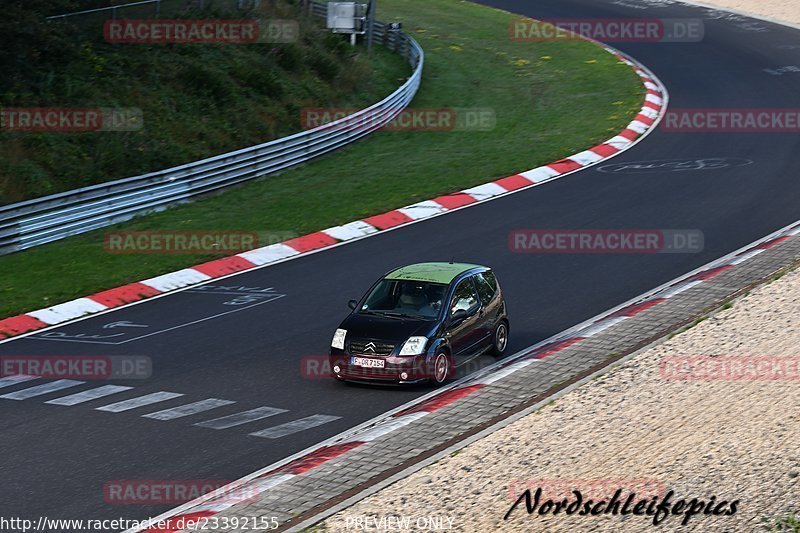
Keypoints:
(651, 113)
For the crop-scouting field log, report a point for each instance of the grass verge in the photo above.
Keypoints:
(550, 100)
(196, 99)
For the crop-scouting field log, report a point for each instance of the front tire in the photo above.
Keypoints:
(500, 338)
(441, 369)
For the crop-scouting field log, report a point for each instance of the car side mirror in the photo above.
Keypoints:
(458, 316)
(352, 304)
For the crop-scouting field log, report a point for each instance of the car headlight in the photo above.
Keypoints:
(414, 346)
(338, 339)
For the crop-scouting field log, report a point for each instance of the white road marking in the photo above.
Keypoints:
(39, 390)
(238, 419)
(88, 395)
(67, 310)
(677, 289)
(487, 190)
(386, 427)
(295, 426)
(269, 254)
(619, 142)
(510, 369)
(422, 210)
(638, 126)
(586, 158)
(13, 380)
(649, 112)
(188, 409)
(654, 99)
(235, 310)
(602, 325)
(352, 230)
(539, 174)
(141, 401)
(175, 280)
(745, 256)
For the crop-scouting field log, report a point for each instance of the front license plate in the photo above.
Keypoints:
(367, 362)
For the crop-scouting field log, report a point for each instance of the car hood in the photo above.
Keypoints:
(359, 325)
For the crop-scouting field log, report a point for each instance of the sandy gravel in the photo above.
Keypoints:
(736, 440)
(786, 10)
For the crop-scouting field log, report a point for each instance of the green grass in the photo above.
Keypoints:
(789, 523)
(550, 100)
(197, 100)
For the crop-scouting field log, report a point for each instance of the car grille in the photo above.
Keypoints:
(359, 347)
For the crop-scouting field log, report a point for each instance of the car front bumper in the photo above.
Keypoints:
(396, 369)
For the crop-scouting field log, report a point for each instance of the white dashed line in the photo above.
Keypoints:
(238, 419)
(89, 395)
(141, 401)
(295, 426)
(39, 390)
(188, 409)
(13, 380)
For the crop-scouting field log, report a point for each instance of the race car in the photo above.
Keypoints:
(417, 322)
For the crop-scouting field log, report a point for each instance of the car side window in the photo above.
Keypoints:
(465, 298)
(486, 288)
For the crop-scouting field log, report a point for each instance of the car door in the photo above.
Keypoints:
(464, 335)
(487, 291)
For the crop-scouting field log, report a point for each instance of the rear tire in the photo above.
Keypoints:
(500, 338)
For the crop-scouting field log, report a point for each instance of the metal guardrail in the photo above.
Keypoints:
(112, 9)
(50, 218)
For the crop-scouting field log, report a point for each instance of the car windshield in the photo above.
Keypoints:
(404, 298)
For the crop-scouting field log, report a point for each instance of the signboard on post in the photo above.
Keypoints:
(347, 17)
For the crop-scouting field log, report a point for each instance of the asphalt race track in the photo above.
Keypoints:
(55, 459)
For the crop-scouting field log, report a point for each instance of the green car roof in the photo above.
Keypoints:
(431, 272)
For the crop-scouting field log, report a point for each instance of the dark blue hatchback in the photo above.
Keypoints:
(418, 321)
